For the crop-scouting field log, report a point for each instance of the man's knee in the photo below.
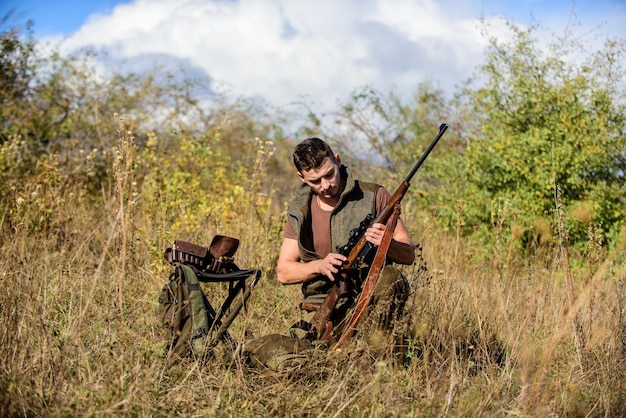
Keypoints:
(392, 285)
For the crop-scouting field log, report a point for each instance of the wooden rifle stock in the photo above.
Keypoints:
(370, 282)
(321, 320)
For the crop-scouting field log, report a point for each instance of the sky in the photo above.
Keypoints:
(319, 51)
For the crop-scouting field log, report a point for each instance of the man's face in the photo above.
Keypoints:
(325, 180)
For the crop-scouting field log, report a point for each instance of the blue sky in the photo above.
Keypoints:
(55, 17)
(285, 50)
(67, 16)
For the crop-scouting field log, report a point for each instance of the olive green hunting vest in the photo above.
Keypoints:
(355, 203)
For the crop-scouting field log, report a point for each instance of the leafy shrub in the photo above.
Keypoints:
(544, 121)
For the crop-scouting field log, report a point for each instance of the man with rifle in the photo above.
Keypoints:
(341, 239)
(321, 219)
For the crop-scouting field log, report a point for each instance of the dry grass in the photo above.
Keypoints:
(483, 336)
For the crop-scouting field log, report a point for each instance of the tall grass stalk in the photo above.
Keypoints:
(125, 199)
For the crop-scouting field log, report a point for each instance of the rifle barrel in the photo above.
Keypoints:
(442, 129)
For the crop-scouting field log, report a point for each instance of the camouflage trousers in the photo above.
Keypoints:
(278, 351)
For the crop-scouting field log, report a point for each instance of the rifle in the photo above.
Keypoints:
(357, 250)
(369, 285)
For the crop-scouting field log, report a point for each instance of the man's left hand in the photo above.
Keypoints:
(374, 234)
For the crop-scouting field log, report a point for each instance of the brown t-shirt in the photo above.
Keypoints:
(320, 223)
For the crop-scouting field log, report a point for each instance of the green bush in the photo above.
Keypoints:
(543, 120)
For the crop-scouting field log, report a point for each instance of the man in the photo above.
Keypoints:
(329, 204)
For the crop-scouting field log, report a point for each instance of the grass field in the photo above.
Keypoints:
(496, 335)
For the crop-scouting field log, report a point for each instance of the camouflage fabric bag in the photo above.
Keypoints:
(192, 325)
(185, 313)
(278, 352)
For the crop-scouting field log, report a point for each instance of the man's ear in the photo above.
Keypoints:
(301, 177)
(337, 160)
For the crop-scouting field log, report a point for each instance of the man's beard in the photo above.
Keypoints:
(334, 191)
(329, 194)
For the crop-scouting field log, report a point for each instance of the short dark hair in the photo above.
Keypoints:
(310, 154)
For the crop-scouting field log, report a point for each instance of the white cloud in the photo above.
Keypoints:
(285, 49)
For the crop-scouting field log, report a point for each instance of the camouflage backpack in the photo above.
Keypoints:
(192, 326)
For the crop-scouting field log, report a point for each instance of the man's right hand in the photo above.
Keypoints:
(292, 271)
(330, 265)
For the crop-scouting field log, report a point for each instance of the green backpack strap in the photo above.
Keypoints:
(200, 320)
